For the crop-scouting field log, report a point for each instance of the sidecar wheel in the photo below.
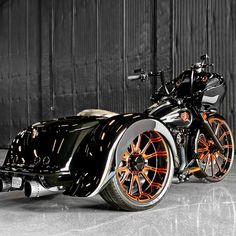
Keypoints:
(144, 174)
(213, 163)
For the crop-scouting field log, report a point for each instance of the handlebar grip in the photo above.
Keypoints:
(134, 77)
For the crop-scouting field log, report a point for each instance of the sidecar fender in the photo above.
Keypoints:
(95, 161)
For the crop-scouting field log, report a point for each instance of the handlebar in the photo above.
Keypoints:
(143, 76)
(133, 77)
(197, 67)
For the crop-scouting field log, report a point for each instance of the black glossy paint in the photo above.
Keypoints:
(47, 145)
(81, 153)
(79, 162)
(108, 141)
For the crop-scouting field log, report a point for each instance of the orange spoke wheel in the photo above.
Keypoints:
(215, 164)
(143, 168)
(144, 173)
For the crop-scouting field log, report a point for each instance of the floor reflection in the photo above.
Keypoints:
(192, 208)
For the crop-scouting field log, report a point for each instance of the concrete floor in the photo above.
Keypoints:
(192, 208)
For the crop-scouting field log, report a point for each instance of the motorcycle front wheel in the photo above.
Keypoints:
(214, 164)
(143, 175)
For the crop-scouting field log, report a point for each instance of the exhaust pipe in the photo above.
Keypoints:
(5, 185)
(35, 189)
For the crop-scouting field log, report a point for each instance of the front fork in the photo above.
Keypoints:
(210, 132)
(187, 168)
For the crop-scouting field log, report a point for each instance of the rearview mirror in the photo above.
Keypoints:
(204, 57)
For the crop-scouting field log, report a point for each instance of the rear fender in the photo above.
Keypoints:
(96, 159)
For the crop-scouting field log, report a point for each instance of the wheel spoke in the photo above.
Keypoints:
(223, 135)
(148, 196)
(135, 179)
(212, 166)
(208, 162)
(155, 154)
(125, 176)
(131, 185)
(146, 147)
(154, 169)
(217, 128)
(202, 149)
(156, 184)
(132, 147)
(122, 169)
(137, 146)
(218, 163)
(203, 157)
(222, 156)
(156, 140)
(146, 178)
(152, 184)
(228, 146)
(138, 184)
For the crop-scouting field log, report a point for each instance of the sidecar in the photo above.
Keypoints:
(126, 158)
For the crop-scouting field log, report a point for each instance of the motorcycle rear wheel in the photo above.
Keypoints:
(214, 164)
(144, 174)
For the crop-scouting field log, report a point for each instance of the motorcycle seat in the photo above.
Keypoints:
(97, 112)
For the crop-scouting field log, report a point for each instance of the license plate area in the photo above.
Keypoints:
(16, 182)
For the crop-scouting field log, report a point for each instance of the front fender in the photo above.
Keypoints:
(99, 154)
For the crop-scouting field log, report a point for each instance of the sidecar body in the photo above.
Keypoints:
(77, 155)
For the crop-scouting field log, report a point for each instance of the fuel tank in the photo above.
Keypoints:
(172, 115)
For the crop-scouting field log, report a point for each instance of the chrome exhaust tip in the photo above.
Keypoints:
(35, 189)
(5, 185)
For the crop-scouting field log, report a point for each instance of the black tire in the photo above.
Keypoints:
(214, 164)
(143, 176)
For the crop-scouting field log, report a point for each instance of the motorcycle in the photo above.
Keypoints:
(129, 159)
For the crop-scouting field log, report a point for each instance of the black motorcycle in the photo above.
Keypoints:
(188, 107)
(129, 159)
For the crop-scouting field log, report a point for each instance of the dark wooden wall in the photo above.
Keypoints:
(58, 57)
(207, 26)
